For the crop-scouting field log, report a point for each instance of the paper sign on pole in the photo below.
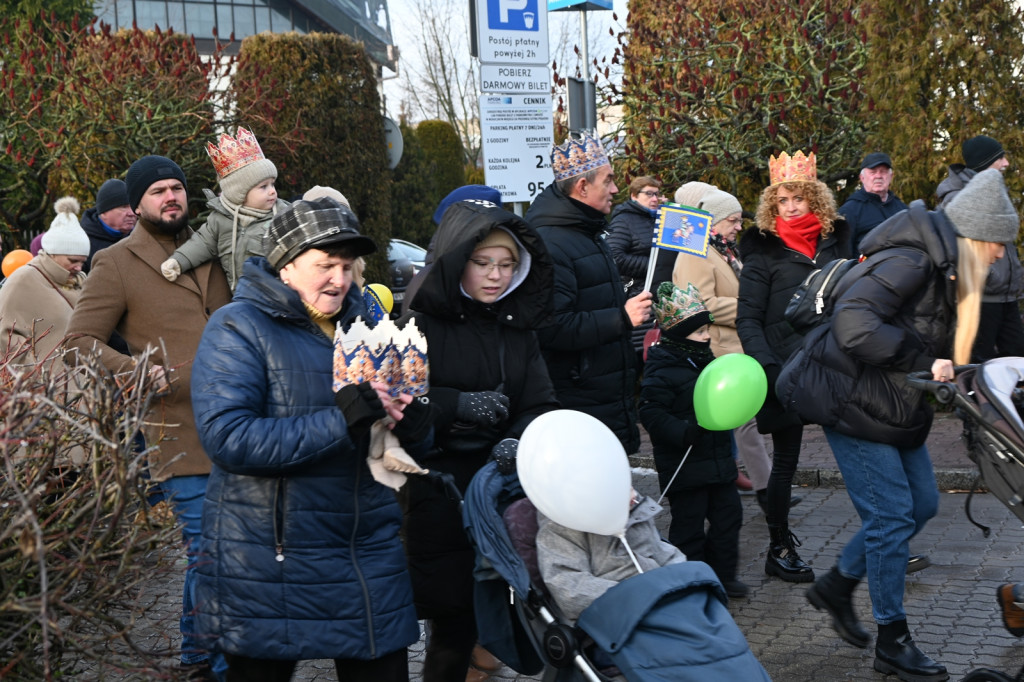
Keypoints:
(515, 79)
(518, 133)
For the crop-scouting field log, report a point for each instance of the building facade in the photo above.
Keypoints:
(365, 20)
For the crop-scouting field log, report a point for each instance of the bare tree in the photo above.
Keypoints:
(442, 81)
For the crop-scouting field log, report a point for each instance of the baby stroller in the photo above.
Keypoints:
(667, 624)
(989, 398)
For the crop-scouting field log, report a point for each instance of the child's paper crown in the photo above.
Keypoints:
(232, 153)
(386, 353)
(577, 157)
(796, 168)
(677, 306)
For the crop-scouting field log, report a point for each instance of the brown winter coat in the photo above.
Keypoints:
(126, 293)
(719, 287)
(36, 303)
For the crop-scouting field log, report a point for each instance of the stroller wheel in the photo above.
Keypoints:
(987, 675)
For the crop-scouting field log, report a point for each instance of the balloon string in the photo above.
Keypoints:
(678, 469)
(629, 551)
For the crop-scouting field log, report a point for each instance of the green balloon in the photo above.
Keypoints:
(729, 392)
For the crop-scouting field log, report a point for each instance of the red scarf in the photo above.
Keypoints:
(800, 234)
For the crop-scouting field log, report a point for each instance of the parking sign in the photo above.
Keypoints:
(512, 31)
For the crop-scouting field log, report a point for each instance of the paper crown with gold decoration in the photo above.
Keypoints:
(796, 168)
(577, 156)
(232, 153)
(680, 311)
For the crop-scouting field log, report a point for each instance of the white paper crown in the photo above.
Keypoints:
(577, 157)
(387, 353)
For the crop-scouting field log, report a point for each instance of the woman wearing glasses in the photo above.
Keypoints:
(629, 240)
(488, 289)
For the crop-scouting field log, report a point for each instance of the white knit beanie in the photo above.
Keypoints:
(982, 210)
(66, 236)
(319, 192)
(720, 205)
(236, 185)
(690, 193)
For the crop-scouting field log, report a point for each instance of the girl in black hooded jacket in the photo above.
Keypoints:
(487, 290)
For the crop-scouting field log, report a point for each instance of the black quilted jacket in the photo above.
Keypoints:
(895, 313)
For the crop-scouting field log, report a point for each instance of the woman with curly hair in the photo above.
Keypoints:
(798, 231)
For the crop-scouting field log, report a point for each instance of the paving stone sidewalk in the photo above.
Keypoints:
(951, 605)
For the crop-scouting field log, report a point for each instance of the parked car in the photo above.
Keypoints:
(405, 259)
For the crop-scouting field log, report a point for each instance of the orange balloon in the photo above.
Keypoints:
(14, 260)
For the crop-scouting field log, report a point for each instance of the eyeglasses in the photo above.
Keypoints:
(651, 193)
(486, 267)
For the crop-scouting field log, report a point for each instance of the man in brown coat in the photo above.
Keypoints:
(126, 293)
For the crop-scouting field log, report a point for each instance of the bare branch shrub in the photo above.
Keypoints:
(80, 549)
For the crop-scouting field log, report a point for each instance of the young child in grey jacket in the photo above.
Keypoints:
(241, 215)
(579, 567)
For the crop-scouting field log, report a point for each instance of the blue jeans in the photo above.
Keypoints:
(894, 492)
(185, 494)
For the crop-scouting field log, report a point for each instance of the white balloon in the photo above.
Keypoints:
(575, 471)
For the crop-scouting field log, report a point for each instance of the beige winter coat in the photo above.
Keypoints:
(125, 292)
(35, 306)
(719, 287)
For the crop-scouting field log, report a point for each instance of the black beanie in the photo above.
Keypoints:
(981, 152)
(113, 193)
(145, 172)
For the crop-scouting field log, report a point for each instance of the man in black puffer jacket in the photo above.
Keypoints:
(872, 203)
(588, 351)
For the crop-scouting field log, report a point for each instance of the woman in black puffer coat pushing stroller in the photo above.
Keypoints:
(912, 305)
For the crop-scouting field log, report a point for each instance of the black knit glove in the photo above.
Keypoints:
(417, 418)
(504, 455)
(361, 406)
(485, 408)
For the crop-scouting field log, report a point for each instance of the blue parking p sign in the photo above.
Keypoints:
(512, 32)
(512, 15)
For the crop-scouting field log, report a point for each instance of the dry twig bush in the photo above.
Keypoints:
(84, 560)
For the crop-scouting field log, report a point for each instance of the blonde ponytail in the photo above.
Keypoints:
(972, 271)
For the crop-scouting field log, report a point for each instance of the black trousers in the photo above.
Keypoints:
(786, 455)
(1000, 332)
(716, 543)
(450, 642)
(393, 667)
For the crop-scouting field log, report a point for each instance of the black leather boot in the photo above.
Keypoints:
(783, 561)
(896, 654)
(833, 592)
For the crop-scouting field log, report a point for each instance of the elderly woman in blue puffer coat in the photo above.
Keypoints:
(300, 556)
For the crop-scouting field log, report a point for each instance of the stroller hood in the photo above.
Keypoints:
(671, 624)
(488, 493)
(499, 626)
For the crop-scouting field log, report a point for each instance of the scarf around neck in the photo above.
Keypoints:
(800, 234)
(728, 251)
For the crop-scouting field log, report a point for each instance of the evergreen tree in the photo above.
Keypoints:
(956, 75)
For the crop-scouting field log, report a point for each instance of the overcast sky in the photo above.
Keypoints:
(404, 34)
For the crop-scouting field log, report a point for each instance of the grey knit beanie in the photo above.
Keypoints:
(690, 193)
(236, 184)
(720, 205)
(982, 210)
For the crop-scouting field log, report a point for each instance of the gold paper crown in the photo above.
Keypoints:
(577, 157)
(231, 153)
(796, 168)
